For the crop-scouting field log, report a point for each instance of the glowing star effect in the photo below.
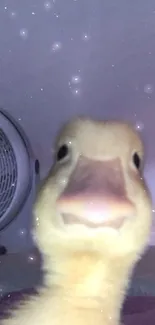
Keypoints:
(32, 258)
(37, 221)
(75, 80)
(139, 126)
(76, 92)
(13, 14)
(48, 5)
(85, 37)
(56, 46)
(22, 232)
(24, 33)
(148, 89)
(56, 15)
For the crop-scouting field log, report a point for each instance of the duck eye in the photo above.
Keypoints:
(62, 152)
(136, 160)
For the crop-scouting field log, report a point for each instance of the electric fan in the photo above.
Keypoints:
(19, 174)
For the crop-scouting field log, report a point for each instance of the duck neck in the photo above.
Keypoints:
(88, 283)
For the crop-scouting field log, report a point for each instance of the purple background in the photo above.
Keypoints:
(61, 58)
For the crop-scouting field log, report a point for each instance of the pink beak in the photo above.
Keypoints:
(95, 195)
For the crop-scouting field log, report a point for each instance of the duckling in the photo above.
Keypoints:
(92, 220)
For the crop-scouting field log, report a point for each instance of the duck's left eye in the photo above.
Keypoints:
(63, 152)
(136, 160)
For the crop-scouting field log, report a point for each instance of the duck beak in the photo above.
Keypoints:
(95, 195)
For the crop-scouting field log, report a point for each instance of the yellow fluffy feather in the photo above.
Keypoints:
(89, 252)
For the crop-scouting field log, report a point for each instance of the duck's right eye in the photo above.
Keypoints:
(137, 160)
(62, 152)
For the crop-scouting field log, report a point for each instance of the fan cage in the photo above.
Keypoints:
(15, 169)
(8, 173)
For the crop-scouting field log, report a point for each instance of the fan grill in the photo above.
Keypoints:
(8, 173)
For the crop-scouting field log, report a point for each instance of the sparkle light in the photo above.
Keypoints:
(85, 37)
(24, 33)
(48, 5)
(56, 15)
(37, 221)
(139, 126)
(56, 46)
(32, 258)
(22, 232)
(148, 89)
(13, 14)
(76, 79)
(76, 91)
